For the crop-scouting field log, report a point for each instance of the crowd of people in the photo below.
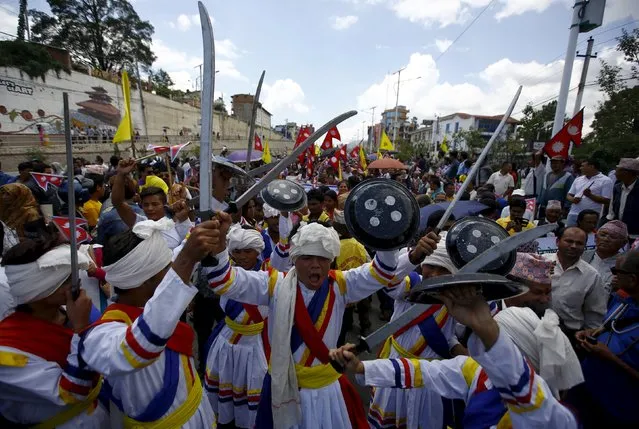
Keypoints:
(163, 335)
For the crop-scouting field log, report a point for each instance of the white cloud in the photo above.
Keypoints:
(284, 95)
(226, 48)
(619, 9)
(8, 21)
(430, 96)
(182, 67)
(519, 7)
(185, 22)
(442, 45)
(344, 22)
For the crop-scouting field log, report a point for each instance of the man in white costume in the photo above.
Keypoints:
(43, 384)
(139, 345)
(237, 358)
(306, 308)
(501, 388)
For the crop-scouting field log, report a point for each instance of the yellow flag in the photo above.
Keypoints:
(362, 158)
(339, 169)
(125, 129)
(379, 154)
(386, 144)
(318, 150)
(444, 145)
(266, 153)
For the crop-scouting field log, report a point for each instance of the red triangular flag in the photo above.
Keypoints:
(158, 149)
(43, 180)
(62, 223)
(559, 144)
(355, 152)
(341, 153)
(333, 133)
(334, 161)
(258, 144)
(309, 168)
(175, 150)
(303, 135)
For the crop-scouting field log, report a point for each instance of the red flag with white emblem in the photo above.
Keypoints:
(43, 180)
(158, 149)
(303, 135)
(333, 133)
(309, 168)
(65, 228)
(258, 144)
(342, 154)
(559, 144)
(175, 150)
(355, 152)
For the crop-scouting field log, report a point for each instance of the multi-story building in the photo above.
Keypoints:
(243, 110)
(388, 118)
(447, 126)
(422, 136)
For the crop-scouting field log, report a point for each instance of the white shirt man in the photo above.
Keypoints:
(587, 189)
(502, 182)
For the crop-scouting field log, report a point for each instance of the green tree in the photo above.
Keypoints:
(615, 129)
(219, 106)
(472, 138)
(533, 124)
(609, 80)
(162, 82)
(22, 22)
(103, 34)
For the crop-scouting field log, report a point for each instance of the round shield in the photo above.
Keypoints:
(492, 287)
(223, 162)
(469, 237)
(284, 195)
(381, 214)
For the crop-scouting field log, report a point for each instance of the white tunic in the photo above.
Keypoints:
(32, 393)
(322, 408)
(526, 395)
(135, 380)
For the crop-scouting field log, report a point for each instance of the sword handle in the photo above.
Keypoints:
(210, 260)
(361, 347)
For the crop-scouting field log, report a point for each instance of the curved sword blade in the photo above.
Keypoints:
(256, 103)
(478, 163)
(280, 166)
(206, 128)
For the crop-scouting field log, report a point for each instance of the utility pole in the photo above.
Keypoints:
(584, 74)
(137, 72)
(370, 134)
(399, 75)
(577, 13)
(26, 21)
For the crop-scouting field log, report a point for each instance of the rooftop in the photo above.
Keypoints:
(462, 115)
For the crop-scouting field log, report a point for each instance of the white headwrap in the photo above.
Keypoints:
(240, 238)
(542, 342)
(269, 211)
(39, 279)
(440, 258)
(312, 239)
(147, 258)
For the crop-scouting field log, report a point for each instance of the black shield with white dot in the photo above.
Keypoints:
(284, 195)
(382, 214)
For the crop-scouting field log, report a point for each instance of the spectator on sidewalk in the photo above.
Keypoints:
(592, 191)
(625, 199)
(503, 181)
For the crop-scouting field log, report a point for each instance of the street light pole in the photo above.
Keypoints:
(396, 122)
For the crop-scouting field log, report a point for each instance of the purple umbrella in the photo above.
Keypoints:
(240, 156)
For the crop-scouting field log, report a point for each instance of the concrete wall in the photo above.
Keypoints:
(95, 102)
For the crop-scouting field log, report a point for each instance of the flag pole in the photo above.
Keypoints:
(168, 167)
(75, 275)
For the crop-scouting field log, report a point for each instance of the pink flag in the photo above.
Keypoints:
(43, 180)
(175, 150)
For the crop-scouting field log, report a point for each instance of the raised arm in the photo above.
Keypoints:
(126, 213)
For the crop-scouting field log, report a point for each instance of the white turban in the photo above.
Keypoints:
(240, 238)
(269, 211)
(147, 259)
(542, 342)
(312, 239)
(315, 240)
(39, 279)
(440, 258)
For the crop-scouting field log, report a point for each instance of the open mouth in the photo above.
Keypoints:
(314, 278)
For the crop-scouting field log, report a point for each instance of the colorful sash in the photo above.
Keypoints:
(309, 327)
(180, 342)
(47, 340)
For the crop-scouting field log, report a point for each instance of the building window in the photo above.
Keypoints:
(447, 128)
(456, 126)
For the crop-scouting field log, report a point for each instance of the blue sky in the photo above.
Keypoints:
(323, 57)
